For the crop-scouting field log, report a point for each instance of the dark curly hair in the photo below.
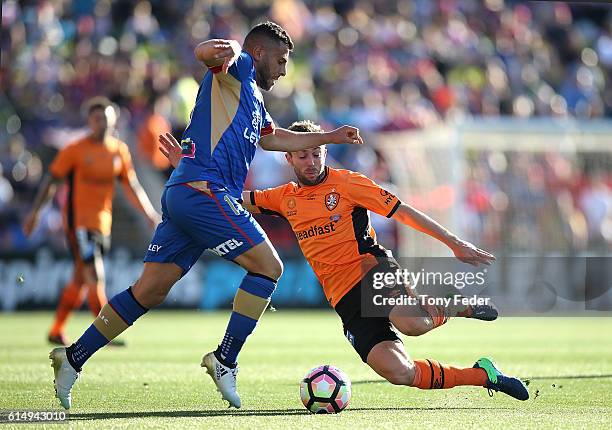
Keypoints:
(269, 30)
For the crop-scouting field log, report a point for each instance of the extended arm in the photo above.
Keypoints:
(45, 192)
(464, 251)
(138, 197)
(286, 140)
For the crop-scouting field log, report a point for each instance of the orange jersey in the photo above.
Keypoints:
(332, 225)
(90, 169)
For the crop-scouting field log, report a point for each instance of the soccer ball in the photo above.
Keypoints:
(325, 390)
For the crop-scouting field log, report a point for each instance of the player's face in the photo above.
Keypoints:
(100, 121)
(271, 65)
(309, 164)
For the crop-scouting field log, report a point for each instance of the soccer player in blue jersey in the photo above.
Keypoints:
(201, 205)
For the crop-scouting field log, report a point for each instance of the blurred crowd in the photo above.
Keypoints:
(382, 65)
(544, 202)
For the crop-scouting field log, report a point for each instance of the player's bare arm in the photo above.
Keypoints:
(215, 52)
(139, 199)
(45, 192)
(246, 202)
(280, 140)
(463, 250)
(289, 141)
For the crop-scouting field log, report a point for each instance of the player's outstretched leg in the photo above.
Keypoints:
(252, 298)
(418, 320)
(389, 360)
(483, 312)
(114, 318)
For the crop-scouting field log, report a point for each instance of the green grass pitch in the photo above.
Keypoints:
(157, 382)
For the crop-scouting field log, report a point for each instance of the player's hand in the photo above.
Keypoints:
(228, 51)
(468, 253)
(170, 148)
(345, 134)
(30, 223)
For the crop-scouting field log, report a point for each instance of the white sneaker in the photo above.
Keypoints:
(65, 376)
(224, 377)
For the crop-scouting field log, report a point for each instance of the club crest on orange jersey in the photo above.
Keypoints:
(291, 204)
(331, 201)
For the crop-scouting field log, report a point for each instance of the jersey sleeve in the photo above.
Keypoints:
(241, 69)
(368, 194)
(268, 124)
(269, 201)
(127, 168)
(64, 162)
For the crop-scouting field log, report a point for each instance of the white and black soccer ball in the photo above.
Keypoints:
(325, 390)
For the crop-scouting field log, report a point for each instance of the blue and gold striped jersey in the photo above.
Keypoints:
(226, 123)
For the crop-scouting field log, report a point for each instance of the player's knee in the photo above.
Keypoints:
(422, 325)
(414, 326)
(273, 269)
(151, 299)
(263, 260)
(149, 293)
(277, 269)
(155, 282)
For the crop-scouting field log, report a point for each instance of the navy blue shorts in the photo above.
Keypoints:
(194, 221)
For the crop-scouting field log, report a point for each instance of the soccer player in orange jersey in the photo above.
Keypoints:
(90, 167)
(328, 211)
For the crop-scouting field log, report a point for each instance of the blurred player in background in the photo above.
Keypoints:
(90, 167)
(328, 211)
(201, 209)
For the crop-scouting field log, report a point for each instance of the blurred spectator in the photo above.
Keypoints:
(537, 202)
(382, 64)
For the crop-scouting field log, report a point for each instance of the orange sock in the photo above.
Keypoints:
(71, 299)
(96, 298)
(431, 374)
